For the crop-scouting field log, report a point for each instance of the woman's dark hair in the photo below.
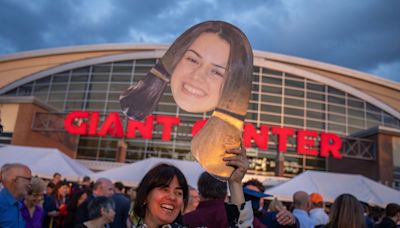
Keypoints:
(211, 188)
(141, 99)
(159, 176)
(346, 211)
(94, 207)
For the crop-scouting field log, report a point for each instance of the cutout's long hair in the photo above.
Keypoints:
(141, 99)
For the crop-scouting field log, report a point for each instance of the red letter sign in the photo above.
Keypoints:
(167, 121)
(145, 129)
(261, 139)
(81, 129)
(197, 126)
(330, 143)
(282, 134)
(112, 125)
(304, 144)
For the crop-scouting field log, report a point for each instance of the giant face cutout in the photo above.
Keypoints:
(209, 67)
(199, 76)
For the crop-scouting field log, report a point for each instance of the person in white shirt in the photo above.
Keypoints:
(317, 212)
(301, 205)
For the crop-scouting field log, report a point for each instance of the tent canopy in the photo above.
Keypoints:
(132, 174)
(331, 185)
(43, 162)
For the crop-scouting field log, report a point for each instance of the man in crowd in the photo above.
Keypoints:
(211, 210)
(392, 216)
(56, 178)
(122, 206)
(102, 187)
(194, 200)
(317, 212)
(16, 179)
(282, 218)
(301, 205)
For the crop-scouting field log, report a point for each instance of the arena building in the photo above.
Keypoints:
(303, 114)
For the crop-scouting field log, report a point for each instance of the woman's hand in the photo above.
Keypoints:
(239, 162)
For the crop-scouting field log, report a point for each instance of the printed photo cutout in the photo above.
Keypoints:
(210, 68)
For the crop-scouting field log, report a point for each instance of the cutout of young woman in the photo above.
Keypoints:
(210, 68)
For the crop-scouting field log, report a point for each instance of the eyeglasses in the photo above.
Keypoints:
(25, 178)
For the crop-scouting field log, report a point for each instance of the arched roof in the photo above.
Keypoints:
(20, 68)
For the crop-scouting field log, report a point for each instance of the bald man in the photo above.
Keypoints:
(16, 179)
(301, 205)
(102, 187)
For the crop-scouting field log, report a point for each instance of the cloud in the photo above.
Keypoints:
(362, 35)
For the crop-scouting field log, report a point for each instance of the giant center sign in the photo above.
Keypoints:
(87, 123)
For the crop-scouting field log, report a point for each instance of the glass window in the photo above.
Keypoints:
(336, 118)
(356, 122)
(271, 89)
(254, 87)
(94, 105)
(295, 112)
(77, 87)
(118, 87)
(45, 80)
(101, 87)
(57, 96)
(356, 113)
(74, 105)
(316, 96)
(355, 104)
(76, 96)
(145, 61)
(82, 70)
(316, 124)
(41, 88)
(292, 83)
(142, 70)
(113, 106)
(372, 108)
(100, 77)
(373, 117)
(79, 78)
(86, 153)
(335, 91)
(271, 72)
(315, 87)
(294, 102)
(271, 80)
(271, 99)
(316, 115)
(102, 69)
(61, 78)
(295, 93)
(337, 128)
(270, 118)
(121, 78)
(270, 108)
(316, 105)
(59, 87)
(336, 100)
(25, 90)
(97, 96)
(294, 121)
(336, 109)
(122, 69)
(389, 120)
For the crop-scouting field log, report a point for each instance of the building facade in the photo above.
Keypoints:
(288, 92)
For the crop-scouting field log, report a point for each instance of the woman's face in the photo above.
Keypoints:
(35, 198)
(199, 76)
(163, 204)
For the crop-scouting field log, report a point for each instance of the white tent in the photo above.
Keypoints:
(43, 162)
(132, 174)
(331, 185)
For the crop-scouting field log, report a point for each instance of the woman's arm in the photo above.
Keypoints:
(241, 164)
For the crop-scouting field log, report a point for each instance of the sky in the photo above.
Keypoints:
(362, 35)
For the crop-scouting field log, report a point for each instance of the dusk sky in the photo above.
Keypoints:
(359, 34)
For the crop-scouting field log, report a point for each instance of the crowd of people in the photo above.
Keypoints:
(164, 199)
